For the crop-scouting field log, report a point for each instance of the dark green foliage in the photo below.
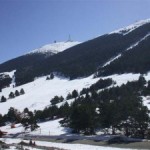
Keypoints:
(5, 81)
(135, 61)
(47, 78)
(118, 107)
(56, 100)
(13, 115)
(146, 90)
(74, 94)
(51, 76)
(47, 114)
(17, 93)
(101, 84)
(84, 91)
(22, 91)
(11, 95)
(3, 99)
(69, 96)
(83, 119)
(26, 110)
(64, 110)
(2, 121)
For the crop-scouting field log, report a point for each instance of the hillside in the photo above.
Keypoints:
(86, 58)
(39, 92)
(101, 86)
(27, 61)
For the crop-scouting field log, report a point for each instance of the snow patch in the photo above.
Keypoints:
(130, 28)
(111, 60)
(129, 48)
(137, 43)
(123, 78)
(55, 47)
(11, 74)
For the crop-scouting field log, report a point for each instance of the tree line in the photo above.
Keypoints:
(13, 95)
(117, 108)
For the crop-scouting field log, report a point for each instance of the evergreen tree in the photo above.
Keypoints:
(3, 99)
(56, 100)
(74, 94)
(69, 96)
(51, 76)
(17, 93)
(83, 119)
(11, 95)
(47, 78)
(2, 121)
(64, 110)
(22, 91)
(11, 115)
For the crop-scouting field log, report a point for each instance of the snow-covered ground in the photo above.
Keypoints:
(55, 47)
(51, 127)
(65, 145)
(39, 92)
(11, 74)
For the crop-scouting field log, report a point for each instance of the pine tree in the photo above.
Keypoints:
(11, 95)
(83, 119)
(22, 91)
(17, 93)
(69, 96)
(3, 99)
(47, 78)
(51, 76)
(74, 94)
(56, 100)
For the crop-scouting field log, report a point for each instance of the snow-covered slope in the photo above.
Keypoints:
(10, 74)
(55, 47)
(39, 92)
(52, 127)
(131, 27)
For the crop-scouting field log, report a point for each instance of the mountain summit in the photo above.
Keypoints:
(55, 47)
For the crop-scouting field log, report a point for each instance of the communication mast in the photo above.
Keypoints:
(69, 38)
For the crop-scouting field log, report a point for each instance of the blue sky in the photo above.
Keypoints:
(29, 24)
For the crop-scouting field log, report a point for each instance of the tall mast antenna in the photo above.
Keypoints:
(69, 38)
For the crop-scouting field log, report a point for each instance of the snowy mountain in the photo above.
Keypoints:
(55, 47)
(106, 55)
(103, 82)
(130, 28)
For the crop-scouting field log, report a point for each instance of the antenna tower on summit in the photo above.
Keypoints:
(69, 39)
